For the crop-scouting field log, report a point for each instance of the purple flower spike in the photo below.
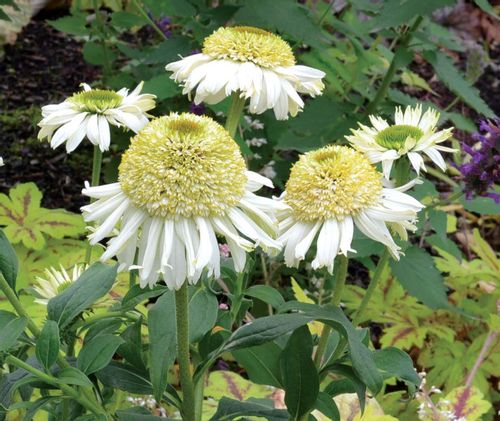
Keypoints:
(481, 170)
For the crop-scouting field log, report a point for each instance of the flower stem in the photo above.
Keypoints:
(234, 113)
(101, 26)
(381, 266)
(182, 320)
(402, 43)
(68, 390)
(96, 176)
(148, 19)
(441, 176)
(340, 277)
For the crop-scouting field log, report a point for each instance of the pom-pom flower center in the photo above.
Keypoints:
(332, 183)
(248, 44)
(96, 100)
(394, 137)
(183, 165)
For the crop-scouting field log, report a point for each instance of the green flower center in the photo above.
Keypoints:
(96, 100)
(394, 137)
(249, 44)
(183, 165)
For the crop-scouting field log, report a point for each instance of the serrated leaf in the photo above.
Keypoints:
(418, 275)
(25, 221)
(47, 344)
(97, 353)
(282, 16)
(93, 284)
(8, 261)
(454, 80)
(398, 12)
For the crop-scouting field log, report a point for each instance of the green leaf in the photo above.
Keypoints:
(93, 284)
(230, 409)
(327, 406)
(488, 8)
(265, 329)
(170, 50)
(47, 344)
(203, 309)
(26, 221)
(162, 341)
(97, 353)
(161, 86)
(418, 275)
(300, 377)
(73, 25)
(396, 363)
(96, 53)
(261, 363)
(267, 294)
(72, 375)
(131, 349)
(37, 405)
(8, 261)
(132, 414)
(125, 377)
(137, 295)
(398, 12)
(283, 16)
(11, 331)
(181, 8)
(127, 20)
(452, 78)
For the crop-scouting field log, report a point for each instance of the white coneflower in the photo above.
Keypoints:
(255, 63)
(330, 191)
(182, 182)
(90, 112)
(412, 134)
(55, 282)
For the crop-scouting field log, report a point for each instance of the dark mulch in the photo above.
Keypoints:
(44, 66)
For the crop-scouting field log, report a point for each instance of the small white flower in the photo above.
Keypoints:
(412, 134)
(90, 112)
(257, 64)
(182, 183)
(1, 162)
(268, 170)
(254, 124)
(257, 142)
(330, 191)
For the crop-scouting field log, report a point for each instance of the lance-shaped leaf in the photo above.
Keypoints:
(8, 261)
(25, 221)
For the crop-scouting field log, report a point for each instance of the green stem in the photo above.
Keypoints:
(96, 176)
(147, 18)
(234, 113)
(402, 171)
(402, 44)
(448, 200)
(18, 307)
(340, 277)
(441, 176)
(102, 30)
(182, 320)
(381, 266)
(68, 390)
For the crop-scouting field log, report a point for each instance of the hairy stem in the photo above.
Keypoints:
(182, 320)
(234, 113)
(402, 43)
(340, 277)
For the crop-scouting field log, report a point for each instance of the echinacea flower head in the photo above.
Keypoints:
(90, 112)
(330, 191)
(182, 182)
(55, 282)
(480, 171)
(412, 134)
(257, 64)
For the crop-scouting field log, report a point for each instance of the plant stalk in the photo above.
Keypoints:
(234, 113)
(186, 375)
(340, 277)
(402, 43)
(381, 266)
(68, 390)
(96, 177)
(148, 19)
